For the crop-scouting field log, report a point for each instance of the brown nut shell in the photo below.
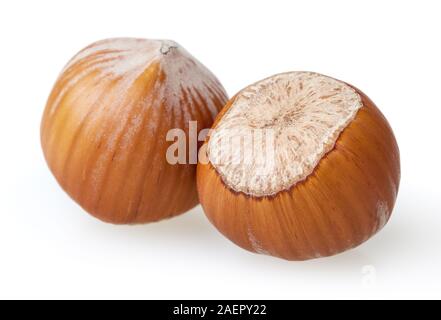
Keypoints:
(346, 200)
(105, 125)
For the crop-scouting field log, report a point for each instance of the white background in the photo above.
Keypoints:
(50, 248)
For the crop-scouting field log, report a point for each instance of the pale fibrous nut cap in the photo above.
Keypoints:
(300, 116)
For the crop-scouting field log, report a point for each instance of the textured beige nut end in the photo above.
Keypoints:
(277, 131)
